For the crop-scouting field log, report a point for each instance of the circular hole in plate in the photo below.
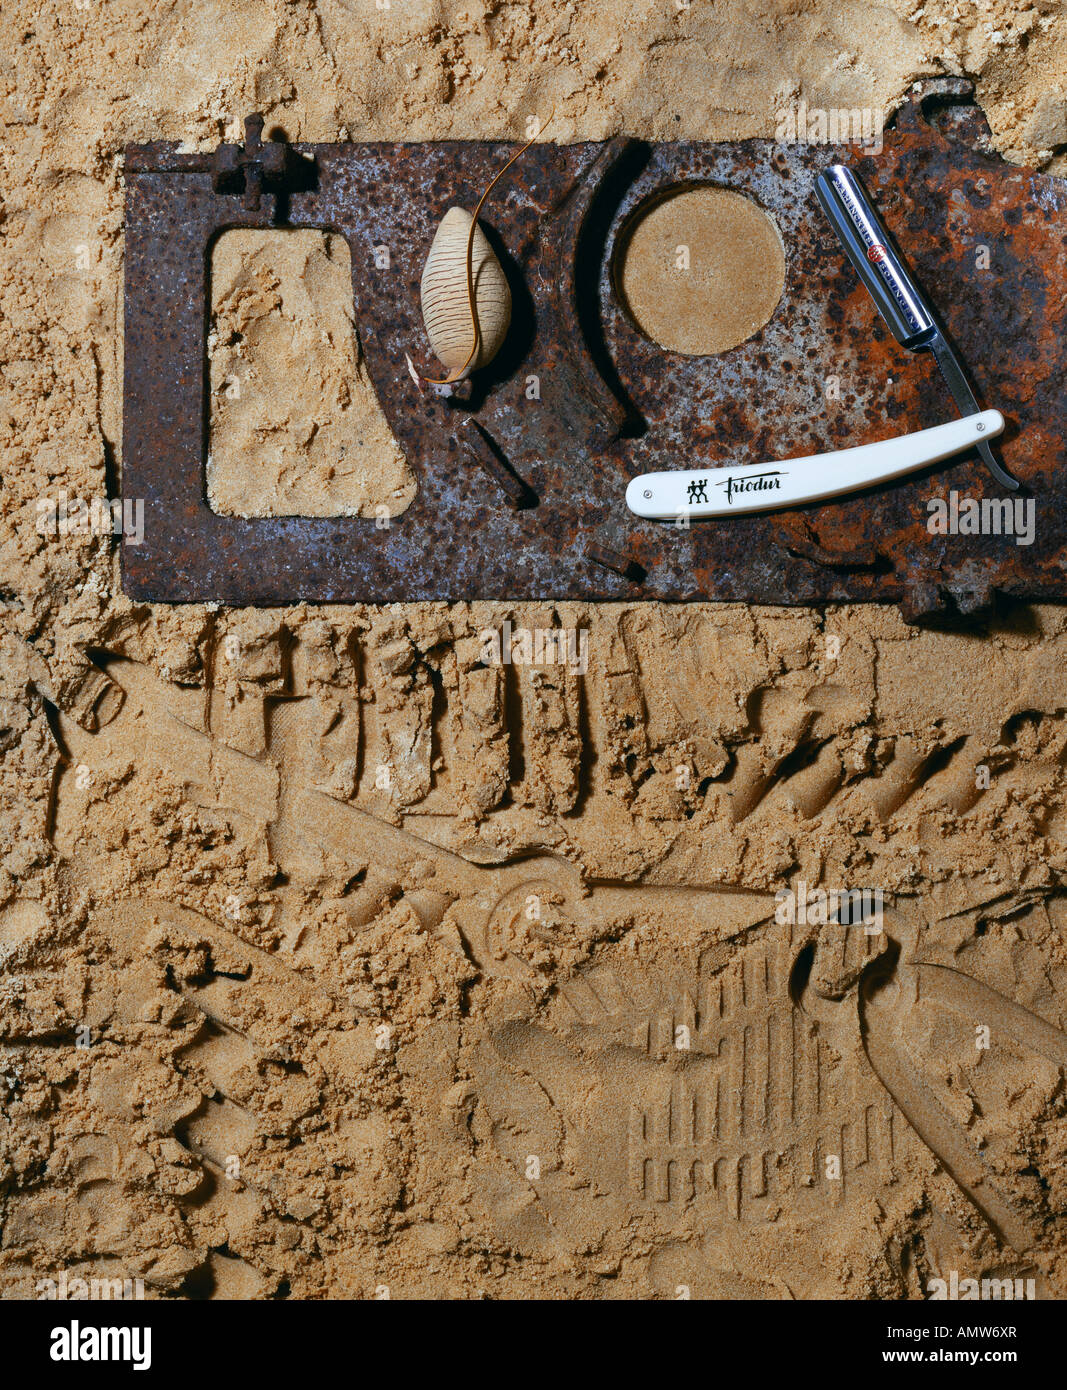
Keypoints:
(700, 269)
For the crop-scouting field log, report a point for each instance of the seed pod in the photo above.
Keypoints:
(461, 257)
(448, 293)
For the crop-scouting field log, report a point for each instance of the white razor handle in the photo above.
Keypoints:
(764, 487)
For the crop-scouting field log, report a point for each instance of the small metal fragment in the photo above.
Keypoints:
(255, 166)
(616, 561)
(482, 448)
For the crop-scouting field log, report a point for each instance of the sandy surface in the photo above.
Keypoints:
(296, 428)
(333, 960)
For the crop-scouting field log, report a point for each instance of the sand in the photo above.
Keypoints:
(296, 428)
(335, 962)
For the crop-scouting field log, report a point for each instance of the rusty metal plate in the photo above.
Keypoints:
(522, 498)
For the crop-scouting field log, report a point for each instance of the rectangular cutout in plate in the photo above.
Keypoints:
(296, 428)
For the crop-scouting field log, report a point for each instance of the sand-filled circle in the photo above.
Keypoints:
(701, 270)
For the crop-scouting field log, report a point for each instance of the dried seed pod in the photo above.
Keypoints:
(462, 273)
(484, 284)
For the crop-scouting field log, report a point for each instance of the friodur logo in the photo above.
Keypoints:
(757, 482)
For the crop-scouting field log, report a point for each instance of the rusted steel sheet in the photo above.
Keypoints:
(526, 501)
